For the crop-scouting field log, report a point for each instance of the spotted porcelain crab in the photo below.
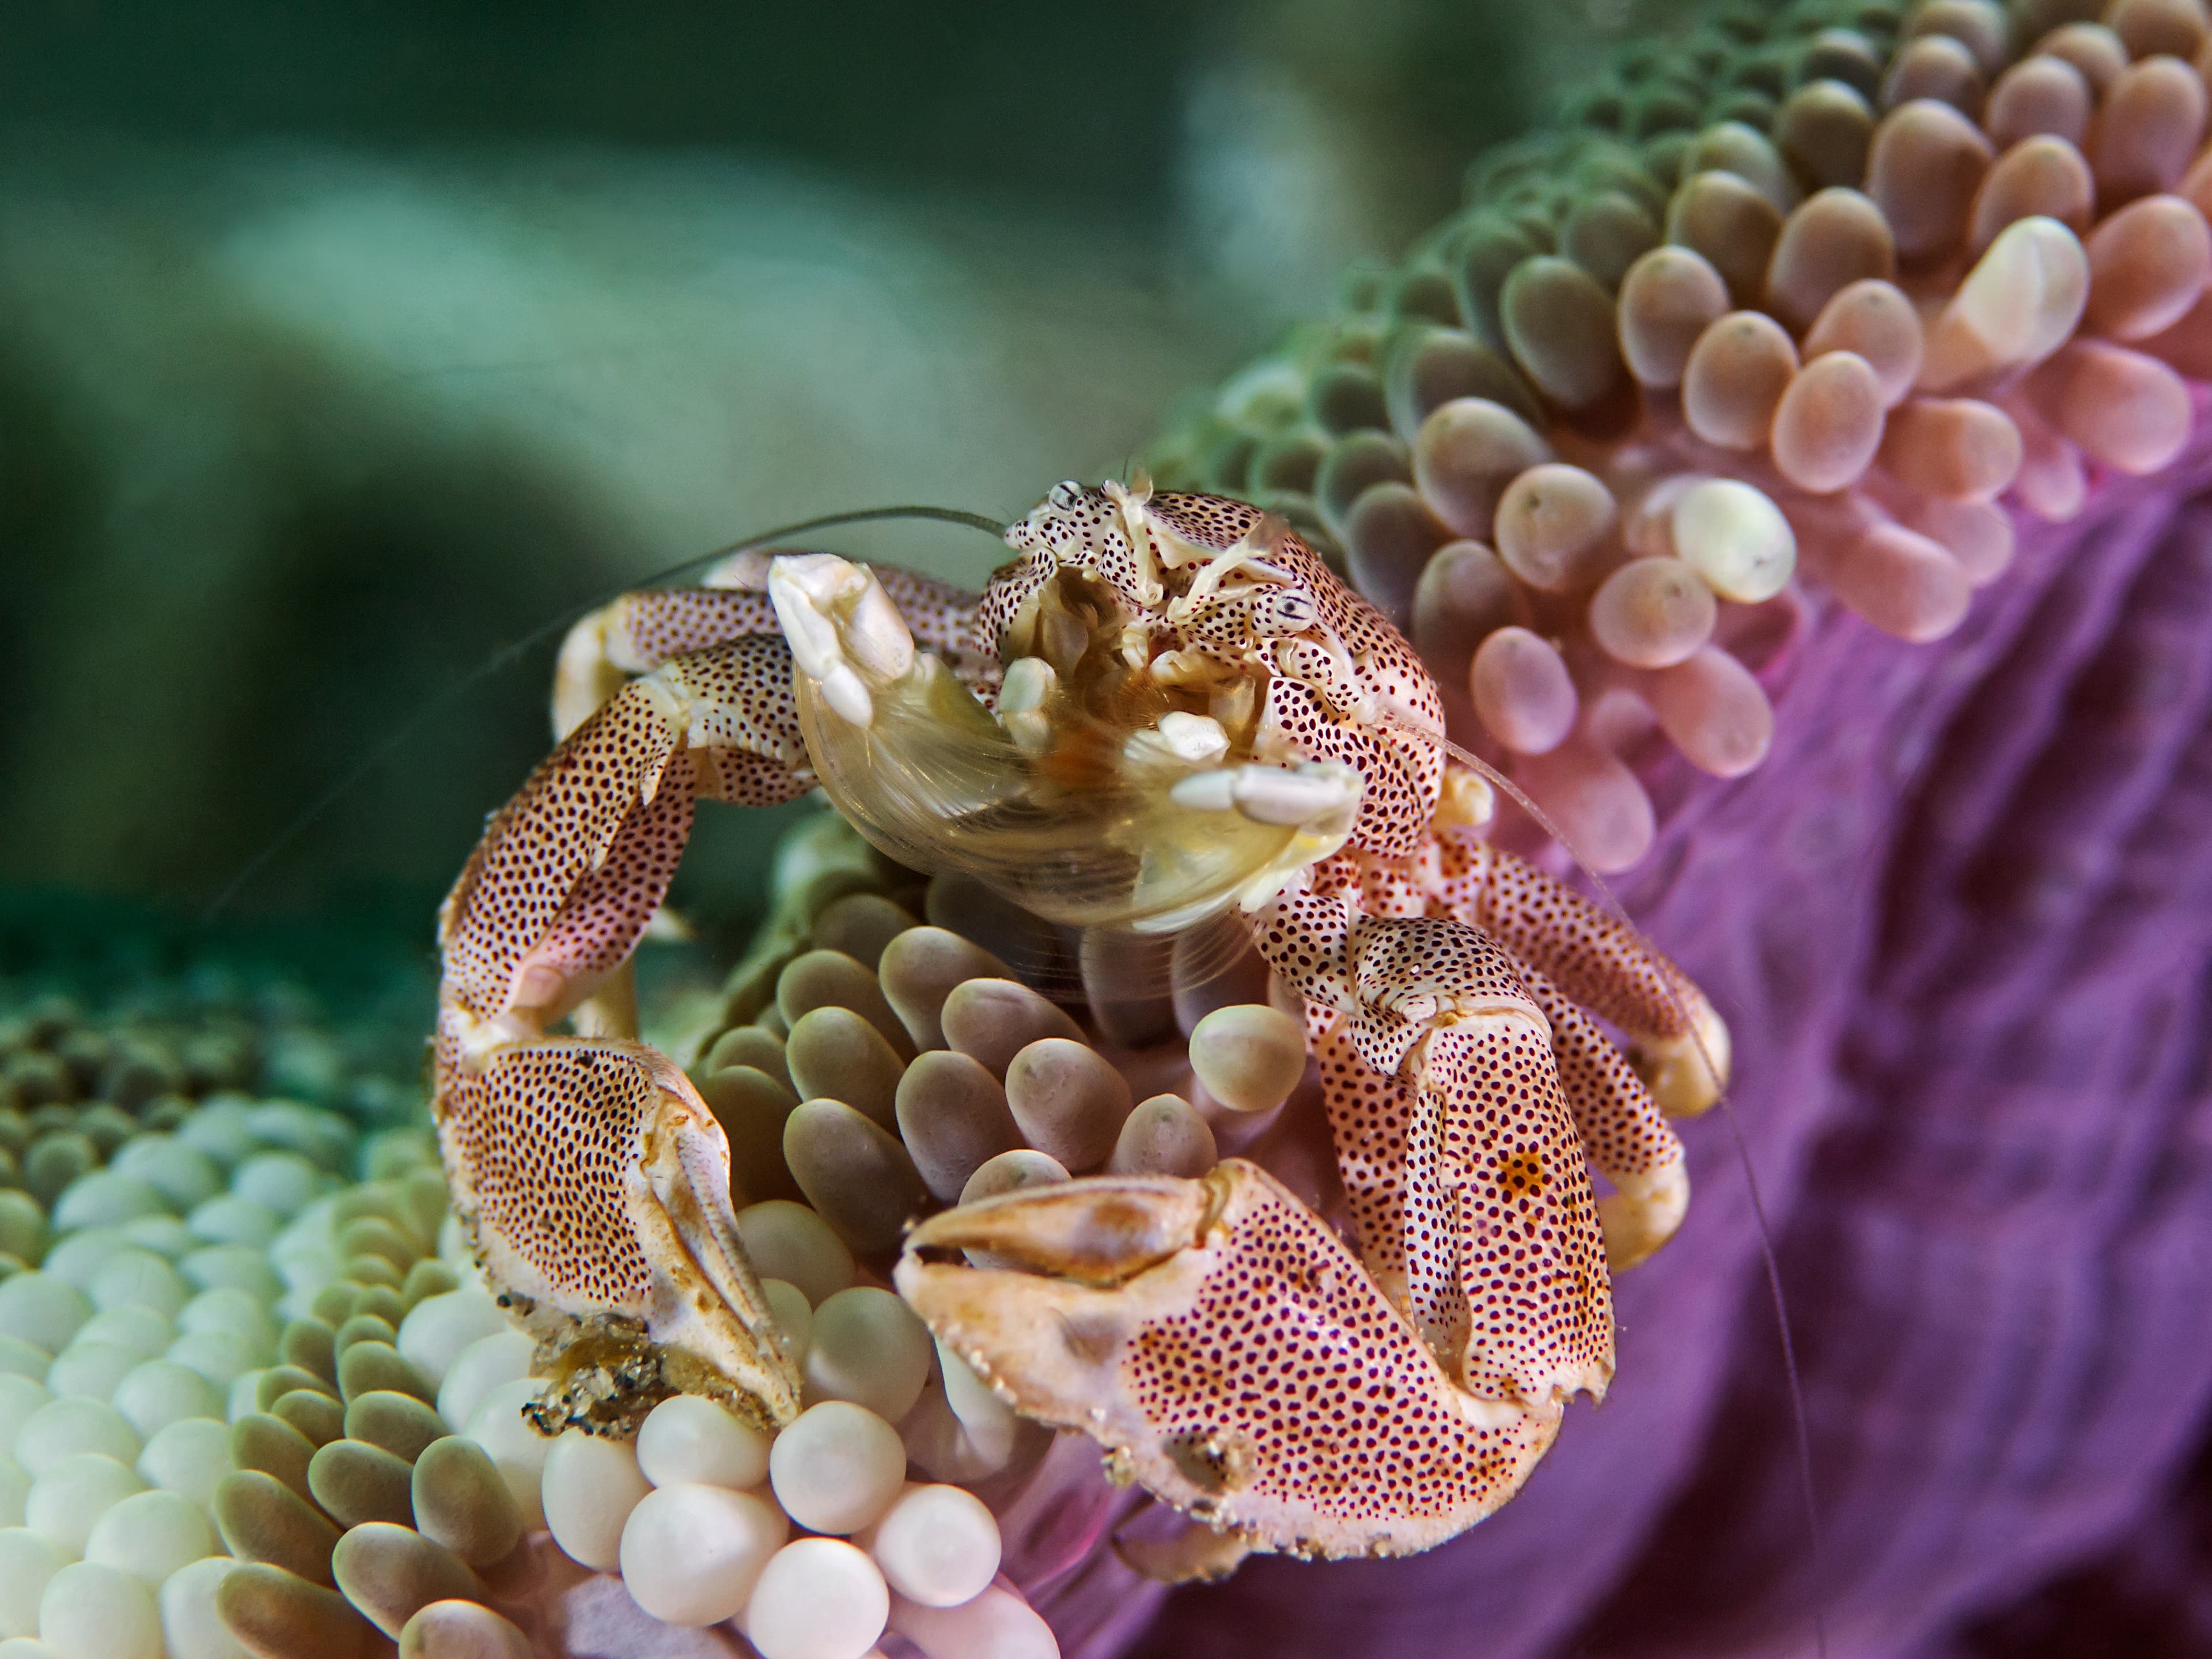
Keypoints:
(1167, 709)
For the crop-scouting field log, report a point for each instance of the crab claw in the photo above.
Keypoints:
(1317, 793)
(1229, 1352)
(844, 632)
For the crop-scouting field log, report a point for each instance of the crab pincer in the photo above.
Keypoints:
(1214, 1335)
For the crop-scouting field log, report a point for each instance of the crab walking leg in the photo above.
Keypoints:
(594, 1177)
(639, 631)
(1224, 1348)
(533, 919)
(1624, 1135)
(634, 634)
(1677, 1041)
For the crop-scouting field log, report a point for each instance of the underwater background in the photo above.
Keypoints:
(341, 356)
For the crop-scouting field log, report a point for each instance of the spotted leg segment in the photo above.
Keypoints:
(1389, 1151)
(568, 871)
(1677, 1043)
(637, 633)
(1228, 1351)
(595, 1179)
(1625, 1136)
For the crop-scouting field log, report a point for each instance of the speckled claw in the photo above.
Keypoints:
(1101, 1232)
(1230, 1354)
(597, 1185)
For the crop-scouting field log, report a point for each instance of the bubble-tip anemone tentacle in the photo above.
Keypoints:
(1900, 277)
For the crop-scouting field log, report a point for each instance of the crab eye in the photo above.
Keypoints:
(1065, 496)
(1281, 614)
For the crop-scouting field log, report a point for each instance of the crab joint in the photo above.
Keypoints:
(479, 1038)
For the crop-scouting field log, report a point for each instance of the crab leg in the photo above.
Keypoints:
(642, 629)
(1623, 1132)
(1677, 1041)
(1389, 1155)
(595, 1179)
(637, 633)
(1224, 1346)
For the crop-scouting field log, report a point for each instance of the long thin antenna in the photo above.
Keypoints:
(1772, 1263)
(513, 650)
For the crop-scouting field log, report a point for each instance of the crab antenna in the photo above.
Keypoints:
(995, 528)
(513, 650)
(1426, 734)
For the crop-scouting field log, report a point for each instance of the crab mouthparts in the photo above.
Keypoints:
(1101, 792)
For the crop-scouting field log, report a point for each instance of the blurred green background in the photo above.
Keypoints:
(339, 349)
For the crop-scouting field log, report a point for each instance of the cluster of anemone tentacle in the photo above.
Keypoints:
(1815, 302)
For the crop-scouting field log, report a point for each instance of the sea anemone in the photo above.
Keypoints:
(1850, 290)
(1955, 923)
(173, 1226)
